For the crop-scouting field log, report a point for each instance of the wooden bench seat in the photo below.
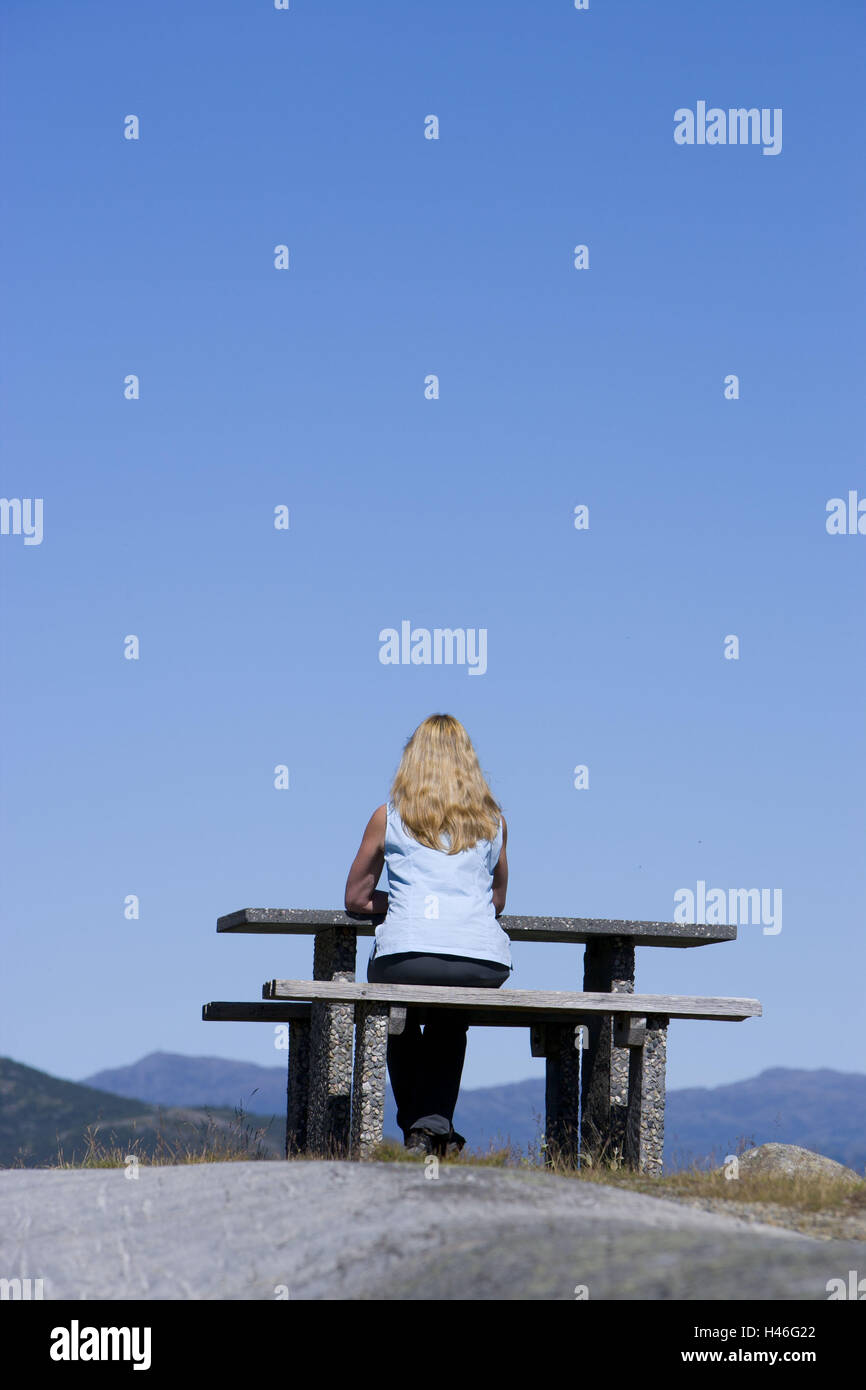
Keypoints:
(526, 1004)
(242, 1011)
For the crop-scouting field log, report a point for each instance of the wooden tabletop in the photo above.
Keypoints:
(301, 921)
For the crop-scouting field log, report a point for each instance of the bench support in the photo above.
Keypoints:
(298, 1088)
(645, 1123)
(608, 967)
(644, 1041)
(368, 1082)
(330, 1064)
(561, 1092)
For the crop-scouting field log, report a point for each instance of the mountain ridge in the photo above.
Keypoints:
(821, 1109)
(46, 1121)
(171, 1094)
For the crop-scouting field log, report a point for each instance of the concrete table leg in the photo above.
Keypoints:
(368, 1085)
(298, 1089)
(645, 1127)
(331, 1030)
(561, 1091)
(609, 969)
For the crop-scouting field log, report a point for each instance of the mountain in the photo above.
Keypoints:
(36, 1109)
(43, 1117)
(823, 1109)
(167, 1078)
(170, 1079)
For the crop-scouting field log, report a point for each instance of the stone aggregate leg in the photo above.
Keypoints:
(368, 1084)
(298, 1087)
(561, 1091)
(645, 1128)
(331, 1037)
(608, 969)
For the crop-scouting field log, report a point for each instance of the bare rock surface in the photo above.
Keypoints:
(341, 1230)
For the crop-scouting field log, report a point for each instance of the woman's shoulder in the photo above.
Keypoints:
(376, 826)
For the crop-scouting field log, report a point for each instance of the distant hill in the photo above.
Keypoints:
(168, 1078)
(42, 1117)
(823, 1109)
(36, 1109)
(178, 1096)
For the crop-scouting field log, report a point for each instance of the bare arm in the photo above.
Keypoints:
(362, 898)
(500, 875)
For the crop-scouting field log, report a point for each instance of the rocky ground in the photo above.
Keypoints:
(791, 1162)
(341, 1230)
(821, 1225)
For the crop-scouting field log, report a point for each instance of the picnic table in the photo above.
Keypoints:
(338, 1030)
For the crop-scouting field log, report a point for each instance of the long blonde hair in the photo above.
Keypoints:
(440, 788)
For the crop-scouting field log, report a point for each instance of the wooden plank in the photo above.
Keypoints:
(231, 1011)
(288, 921)
(282, 1011)
(525, 1001)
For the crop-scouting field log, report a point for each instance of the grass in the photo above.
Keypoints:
(803, 1194)
(215, 1141)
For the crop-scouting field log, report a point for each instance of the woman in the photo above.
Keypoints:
(442, 837)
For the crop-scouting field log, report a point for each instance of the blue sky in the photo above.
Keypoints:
(305, 387)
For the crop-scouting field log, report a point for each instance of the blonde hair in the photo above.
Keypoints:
(440, 788)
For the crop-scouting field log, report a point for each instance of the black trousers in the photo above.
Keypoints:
(425, 1068)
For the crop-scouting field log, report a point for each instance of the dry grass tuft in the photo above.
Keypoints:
(215, 1141)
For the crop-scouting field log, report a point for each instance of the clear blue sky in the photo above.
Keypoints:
(305, 387)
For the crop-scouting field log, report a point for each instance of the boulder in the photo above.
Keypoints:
(790, 1161)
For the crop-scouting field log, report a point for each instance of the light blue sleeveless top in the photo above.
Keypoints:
(439, 902)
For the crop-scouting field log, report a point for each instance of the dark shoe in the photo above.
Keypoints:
(454, 1143)
(448, 1145)
(421, 1141)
